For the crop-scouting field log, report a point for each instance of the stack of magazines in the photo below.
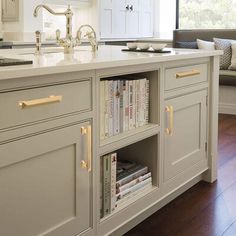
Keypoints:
(124, 105)
(121, 180)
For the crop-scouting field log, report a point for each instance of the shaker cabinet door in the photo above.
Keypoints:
(10, 10)
(185, 136)
(46, 183)
(126, 18)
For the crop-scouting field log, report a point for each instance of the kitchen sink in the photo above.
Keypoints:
(51, 50)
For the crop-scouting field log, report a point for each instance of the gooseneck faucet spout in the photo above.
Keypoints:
(68, 43)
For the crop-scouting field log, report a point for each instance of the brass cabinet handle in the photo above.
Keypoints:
(170, 129)
(40, 101)
(184, 74)
(87, 131)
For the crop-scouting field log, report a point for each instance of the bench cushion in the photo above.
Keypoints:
(227, 77)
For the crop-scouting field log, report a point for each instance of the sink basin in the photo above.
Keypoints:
(51, 50)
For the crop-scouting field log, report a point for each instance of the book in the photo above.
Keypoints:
(133, 188)
(102, 109)
(101, 187)
(130, 174)
(134, 106)
(113, 162)
(133, 182)
(123, 201)
(126, 105)
(106, 109)
(121, 117)
(106, 185)
(137, 102)
(110, 107)
(123, 165)
(147, 102)
(130, 104)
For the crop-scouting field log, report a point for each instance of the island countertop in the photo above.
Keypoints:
(53, 60)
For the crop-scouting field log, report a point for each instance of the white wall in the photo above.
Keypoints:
(164, 18)
(24, 29)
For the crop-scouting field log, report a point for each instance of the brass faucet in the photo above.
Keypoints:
(69, 42)
(91, 35)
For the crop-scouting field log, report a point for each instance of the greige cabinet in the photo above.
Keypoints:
(46, 184)
(10, 10)
(185, 136)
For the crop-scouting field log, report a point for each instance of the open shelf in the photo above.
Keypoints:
(113, 108)
(127, 138)
(144, 154)
(130, 202)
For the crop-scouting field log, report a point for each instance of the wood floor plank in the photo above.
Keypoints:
(212, 221)
(205, 209)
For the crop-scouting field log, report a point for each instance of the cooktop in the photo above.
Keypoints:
(13, 62)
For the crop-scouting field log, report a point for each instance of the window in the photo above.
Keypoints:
(206, 14)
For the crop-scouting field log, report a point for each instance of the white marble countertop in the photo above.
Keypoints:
(55, 61)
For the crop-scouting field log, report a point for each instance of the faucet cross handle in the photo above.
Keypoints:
(58, 34)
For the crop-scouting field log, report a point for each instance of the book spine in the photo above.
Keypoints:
(142, 102)
(130, 104)
(118, 108)
(111, 104)
(101, 187)
(126, 106)
(102, 109)
(106, 185)
(137, 102)
(122, 109)
(107, 107)
(133, 182)
(147, 102)
(113, 181)
(134, 104)
(132, 176)
(114, 115)
(133, 189)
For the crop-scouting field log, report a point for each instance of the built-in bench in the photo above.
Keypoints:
(227, 96)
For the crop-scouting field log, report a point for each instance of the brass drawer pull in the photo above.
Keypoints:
(184, 74)
(87, 131)
(40, 101)
(170, 129)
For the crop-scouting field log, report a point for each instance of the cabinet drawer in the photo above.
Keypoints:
(184, 76)
(30, 105)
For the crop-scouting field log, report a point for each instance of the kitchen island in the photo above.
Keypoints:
(53, 138)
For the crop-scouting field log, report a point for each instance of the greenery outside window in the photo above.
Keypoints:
(206, 14)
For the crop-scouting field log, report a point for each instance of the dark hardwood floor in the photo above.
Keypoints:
(205, 209)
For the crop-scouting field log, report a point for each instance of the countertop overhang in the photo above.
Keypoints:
(54, 61)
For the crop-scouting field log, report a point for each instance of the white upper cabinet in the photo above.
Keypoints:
(126, 18)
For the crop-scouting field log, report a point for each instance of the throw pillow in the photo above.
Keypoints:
(225, 45)
(205, 45)
(181, 44)
(233, 58)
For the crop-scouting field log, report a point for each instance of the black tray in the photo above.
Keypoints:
(149, 51)
(13, 62)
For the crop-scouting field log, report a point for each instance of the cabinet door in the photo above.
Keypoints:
(132, 19)
(146, 18)
(43, 188)
(107, 14)
(10, 10)
(185, 136)
(126, 18)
